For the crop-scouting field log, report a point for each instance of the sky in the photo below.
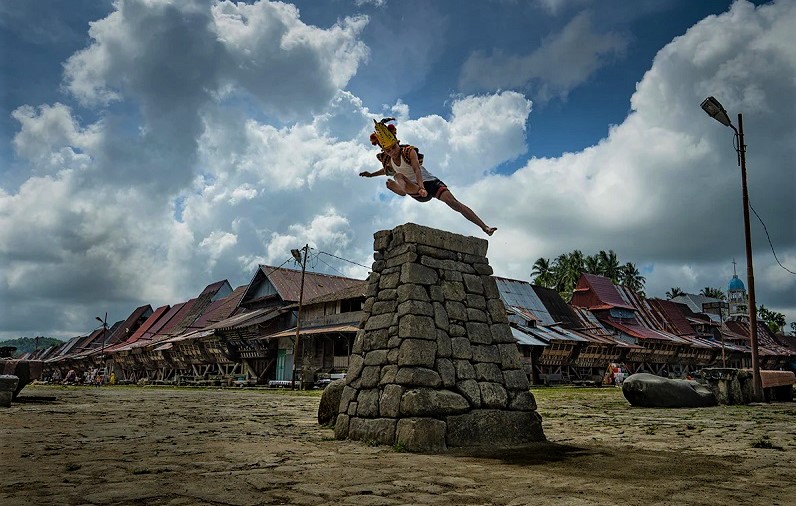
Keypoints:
(151, 147)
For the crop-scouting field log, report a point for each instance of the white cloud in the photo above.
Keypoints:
(564, 61)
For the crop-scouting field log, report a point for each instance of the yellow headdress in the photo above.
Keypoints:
(385, 137)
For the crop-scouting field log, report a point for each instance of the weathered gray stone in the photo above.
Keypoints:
(330, 402)
(450, 276)
(359, 343)
(341, 426)
(392, 355)
(443, 344)
(378, 430)
(522, 401)
(376, 357)
(473, 283)
(348, 394)
(479, 332)
(471, 391)
(447, 372)
(412, 292)
(389, 281)
(381, 321)
(490, 427)
(417, 352)
(441, 317)
(399, 251)
(457, 330)
(444, 240)
(486, 353)
(516, 379)
(456, 310)
(401, 259)
(497, 311)
(388, 373)
(464, 369)
(509, 356)
(415, 307)
(476, 315)
(651, 391)
(418, 376)
(501, 334)
(447, 265)
(390, 401)
(488, 372)
(355, 364)
(433, 252)
(352, 408)
(490, 287)
(374, 340)
(370, 376)
(493, 395)
(418, 274)
(461, 348)
(437, 294)
(388, 294)
(368, 403)
(421, 434)
(417, 327)
(483, 269)
(381, 240)
(430, 402)
(8, 385)
(476, 301)
(383, 307)
(367, 307)
(452, 290)
(378, 265)
(394, 341)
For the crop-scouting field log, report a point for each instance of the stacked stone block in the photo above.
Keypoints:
(434, 363)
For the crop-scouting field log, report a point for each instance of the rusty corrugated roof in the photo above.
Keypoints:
(597, 292)
(287, 283)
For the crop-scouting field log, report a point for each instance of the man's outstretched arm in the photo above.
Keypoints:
(380, 172)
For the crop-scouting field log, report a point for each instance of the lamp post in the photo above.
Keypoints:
(303, 261)
(715, 110)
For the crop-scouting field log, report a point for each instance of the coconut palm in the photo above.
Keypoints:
(592, 264)
(609, 265)
(631, 277)
(675, 291)
(542, 273)
(714, 293)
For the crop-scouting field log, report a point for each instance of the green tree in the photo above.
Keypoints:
(773, 319)
(542, 273)
(609, 265)
(714, 293)
(675, 291)
(592, 264)
(631, 277)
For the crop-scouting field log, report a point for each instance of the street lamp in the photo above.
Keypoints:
(715, 110)
(297, 255)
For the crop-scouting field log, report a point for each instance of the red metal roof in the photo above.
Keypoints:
(597, 292)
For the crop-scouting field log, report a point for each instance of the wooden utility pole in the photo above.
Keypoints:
(302, 259)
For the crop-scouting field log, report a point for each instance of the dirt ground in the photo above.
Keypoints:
(149, 445)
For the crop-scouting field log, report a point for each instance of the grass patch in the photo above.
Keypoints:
(766, 444)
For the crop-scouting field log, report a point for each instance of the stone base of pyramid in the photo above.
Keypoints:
(434, 363)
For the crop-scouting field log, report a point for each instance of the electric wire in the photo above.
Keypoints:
(769, 240)
(343, 259)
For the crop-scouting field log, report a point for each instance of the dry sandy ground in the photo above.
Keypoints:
(134, 445)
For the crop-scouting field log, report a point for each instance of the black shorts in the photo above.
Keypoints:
(434, 188)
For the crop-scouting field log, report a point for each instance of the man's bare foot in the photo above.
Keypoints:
(490, 230)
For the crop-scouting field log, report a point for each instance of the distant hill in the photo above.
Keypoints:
(26, 344)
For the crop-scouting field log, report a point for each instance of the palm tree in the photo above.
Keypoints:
(674, 292)
(542, 273)
(609, 265)
(632, 278)
(592, 264)
(714, 293)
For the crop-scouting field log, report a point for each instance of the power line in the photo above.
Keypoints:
(769, 239)
(343, 259)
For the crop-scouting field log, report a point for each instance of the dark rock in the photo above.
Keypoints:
(650, 391)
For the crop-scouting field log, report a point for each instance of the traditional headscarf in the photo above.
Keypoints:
(384, 135)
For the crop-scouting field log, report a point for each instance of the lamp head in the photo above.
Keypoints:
(296, 254)
(716, 111)
(99, 319)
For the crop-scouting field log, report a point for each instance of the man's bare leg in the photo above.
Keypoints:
(465, 211)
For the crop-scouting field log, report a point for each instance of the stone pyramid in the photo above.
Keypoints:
(434, 364)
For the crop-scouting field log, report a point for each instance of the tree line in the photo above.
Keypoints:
(563, 272)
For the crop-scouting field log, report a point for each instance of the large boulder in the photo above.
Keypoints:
(26, 370)
(330, 401)
(650, 391)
